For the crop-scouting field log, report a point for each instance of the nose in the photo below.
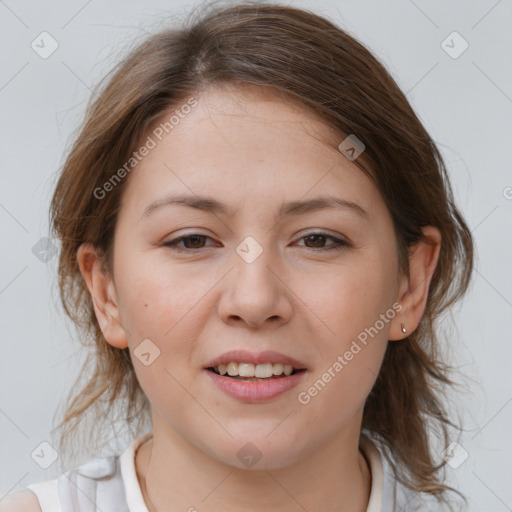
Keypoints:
(255, 293)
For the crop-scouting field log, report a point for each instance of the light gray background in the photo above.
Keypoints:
(465, 104)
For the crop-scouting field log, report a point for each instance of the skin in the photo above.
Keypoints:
(253, 149)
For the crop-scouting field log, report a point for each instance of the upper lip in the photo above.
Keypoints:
(243, 356)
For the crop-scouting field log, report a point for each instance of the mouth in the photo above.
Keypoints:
(252, 377)
(255, 383)
(250, 372)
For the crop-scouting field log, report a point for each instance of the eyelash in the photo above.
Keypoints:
(337, 245)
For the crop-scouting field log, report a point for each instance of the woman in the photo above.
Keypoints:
(258, 235)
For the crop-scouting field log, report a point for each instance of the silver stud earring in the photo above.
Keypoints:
(404, 330)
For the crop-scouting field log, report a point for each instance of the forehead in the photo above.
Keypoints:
(247, 142)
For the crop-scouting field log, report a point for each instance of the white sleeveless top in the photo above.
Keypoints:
(110, 484)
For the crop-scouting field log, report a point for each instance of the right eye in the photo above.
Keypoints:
(193, 240)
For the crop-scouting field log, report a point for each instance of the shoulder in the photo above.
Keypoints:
(100, 481)
(20, 501)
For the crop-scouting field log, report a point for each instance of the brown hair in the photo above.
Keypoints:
(330, 73)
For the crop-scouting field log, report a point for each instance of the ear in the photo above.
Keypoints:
(413, 290)
(101, 287)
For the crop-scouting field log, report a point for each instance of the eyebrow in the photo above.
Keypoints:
(211, 205)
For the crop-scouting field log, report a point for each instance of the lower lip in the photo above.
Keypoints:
(255, 391)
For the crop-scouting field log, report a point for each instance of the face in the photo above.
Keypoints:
(308, 284)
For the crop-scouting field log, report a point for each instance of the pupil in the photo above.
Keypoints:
(321, 237)
(195, 239)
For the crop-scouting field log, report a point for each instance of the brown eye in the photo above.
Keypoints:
(190, 242)
(196, 240)
(318, 240)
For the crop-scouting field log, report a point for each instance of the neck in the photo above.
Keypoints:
(174, 474)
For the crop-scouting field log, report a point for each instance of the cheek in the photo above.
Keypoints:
(354, 305)
(352, 299)
(156, 297)
(159, 314)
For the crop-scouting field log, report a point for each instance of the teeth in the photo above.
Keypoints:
(278, 368)
(261, 371)
(232, 369)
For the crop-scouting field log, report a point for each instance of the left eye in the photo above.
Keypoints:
(196, 242)
(322, 237)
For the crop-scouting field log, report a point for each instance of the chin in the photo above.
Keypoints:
(256, 452)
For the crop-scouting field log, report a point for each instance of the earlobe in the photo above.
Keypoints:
(101, 287)
(413, 290)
